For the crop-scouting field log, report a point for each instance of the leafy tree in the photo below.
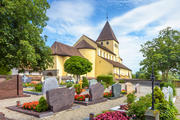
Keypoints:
(77, 66)
(21, 41)
(4, 71)
(163, 52)
(85, 82)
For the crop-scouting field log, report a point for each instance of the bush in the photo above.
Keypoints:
(139, 108)
(42, 106)
(130, 98)
(85, 82)
(69, 84)
(104, 84)
(108, 79)
(38, 87)
(166, 84)
(121, 81)
(158, 95)
(108, 94)
(77, 88)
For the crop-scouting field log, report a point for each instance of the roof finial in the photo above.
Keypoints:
(107, 15)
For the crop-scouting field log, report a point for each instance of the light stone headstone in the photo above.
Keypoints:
(49, 84)
(116, 90)
(92, 82)
(60, 98)
(166, 93)
(170, 90)
(129, 87)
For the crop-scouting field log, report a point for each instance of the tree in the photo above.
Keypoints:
(77, 66)
(163, 52)
(4, 71)
(21, 41)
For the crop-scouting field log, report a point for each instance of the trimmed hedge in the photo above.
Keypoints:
(108, 79)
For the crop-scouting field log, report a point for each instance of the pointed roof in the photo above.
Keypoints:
(107, 34)
(64, 50)
(84, 45)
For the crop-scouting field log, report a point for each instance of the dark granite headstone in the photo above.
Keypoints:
(96, 91)
(60, 98)
(116, 90)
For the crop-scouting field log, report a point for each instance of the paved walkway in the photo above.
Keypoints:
(76, 114)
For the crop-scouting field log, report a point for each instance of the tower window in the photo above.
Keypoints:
(101, 43)
(107, 42)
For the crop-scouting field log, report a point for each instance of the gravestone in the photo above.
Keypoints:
(60, 98)
(92, 82)
(129, 87)
(170, 90)
(116, 90)
(137, 88)
(96, 91)
(26, 79)
(166, 93)
(49, 83)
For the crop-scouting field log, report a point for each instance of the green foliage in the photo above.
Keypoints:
(77, 65)
(85, 82)
(42, 106)
(139, 108)
(163, 52)
(69, 84)
(77, 88)
(121, 81)
(38, 87)
(104, 84)
(130, 98)
(166, 84)
(167, 111)
(21, 41)
(158, 95)
(108, 79)
(5, 71)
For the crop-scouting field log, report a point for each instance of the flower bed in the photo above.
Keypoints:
(115, 115)
(108, 94)
(81, 97)
(30, 105)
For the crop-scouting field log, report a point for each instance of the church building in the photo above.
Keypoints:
(102, 53)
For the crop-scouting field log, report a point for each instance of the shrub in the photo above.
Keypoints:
(42, 106)
(166, 84)
(77, 88)
(38, 87)
(130, 98)
(69, 84)
(139, 108)
(158, 95)
(104, 84)
(85, 82)
(108, 79)
(121, 81)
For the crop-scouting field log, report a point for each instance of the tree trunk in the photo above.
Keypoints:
(163, 76)
(167, 72)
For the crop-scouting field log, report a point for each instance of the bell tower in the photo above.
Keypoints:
(108, 39)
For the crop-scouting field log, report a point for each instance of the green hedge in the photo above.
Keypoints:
(108, 79)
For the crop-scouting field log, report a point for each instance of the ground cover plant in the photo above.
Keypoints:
(108, 94)
(112, 115)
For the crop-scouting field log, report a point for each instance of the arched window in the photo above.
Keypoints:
(107, 42)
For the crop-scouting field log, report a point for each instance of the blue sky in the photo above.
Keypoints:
(133, 22)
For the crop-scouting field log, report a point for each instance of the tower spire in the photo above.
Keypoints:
(107, 17)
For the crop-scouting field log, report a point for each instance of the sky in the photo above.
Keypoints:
(133, 21)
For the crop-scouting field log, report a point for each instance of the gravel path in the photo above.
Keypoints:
(76, 114)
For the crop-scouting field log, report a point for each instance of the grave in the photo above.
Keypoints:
(92, 82)
(96, 92)
(26, 79)
(129, 87)
(137, 88)
(60, 98)
(49, 84)
(116, 90)
(166, 93)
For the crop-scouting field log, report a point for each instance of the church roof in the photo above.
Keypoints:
(100, 46)
(116, 64)
(84, 45)
(107, 34)
(64, 50)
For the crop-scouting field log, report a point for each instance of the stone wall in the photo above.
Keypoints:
(11, 87)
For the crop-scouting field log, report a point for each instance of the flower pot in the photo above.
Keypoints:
(86, 99)
(17, 103)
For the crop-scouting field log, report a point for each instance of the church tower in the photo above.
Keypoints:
(109, 40)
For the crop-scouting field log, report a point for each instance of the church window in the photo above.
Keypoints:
(107, 42)
(101, 43)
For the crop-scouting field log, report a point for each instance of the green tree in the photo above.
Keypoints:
(21, 41)
(163, 52)
(77, 66)
(4, 71)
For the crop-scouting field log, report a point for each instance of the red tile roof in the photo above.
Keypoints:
(84, 45)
